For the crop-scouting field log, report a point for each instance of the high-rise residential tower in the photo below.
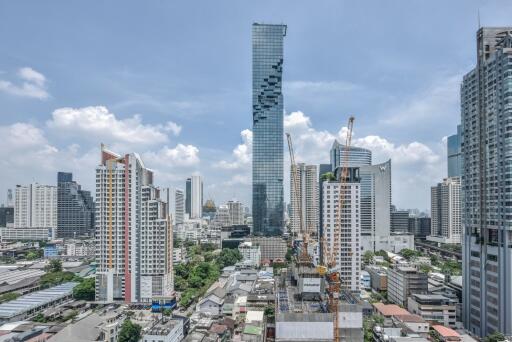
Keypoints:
(454, 153)
(236, 212)
(175, 199)
(486, 117)
(75, 208)
(446, 225)
(346, 247)
(267, 118)
(133, 232)
(194, 197)
(305, 197)
(35, 206)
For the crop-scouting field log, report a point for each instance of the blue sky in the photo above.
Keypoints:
(172, 81)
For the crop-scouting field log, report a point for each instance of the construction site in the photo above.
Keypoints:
(314, 301)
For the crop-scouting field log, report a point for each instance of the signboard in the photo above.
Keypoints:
(310, 284)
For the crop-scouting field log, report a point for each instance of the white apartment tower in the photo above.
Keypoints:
(347, 246)
(133, 232)
(236, 212)
(175, 199)
(195, 197)
(35, 206)
(446, 225)
(305, 194)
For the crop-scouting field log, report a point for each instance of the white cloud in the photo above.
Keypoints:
(319, 86)
(98, 124)
(242, 154)
(33, 85)
(179, 156)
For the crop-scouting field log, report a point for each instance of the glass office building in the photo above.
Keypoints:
(267, 109)
(454, 154)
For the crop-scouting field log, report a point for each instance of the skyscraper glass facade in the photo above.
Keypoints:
(357, 156)
(267, 107)
(454, 154)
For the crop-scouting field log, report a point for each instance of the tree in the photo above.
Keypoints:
(368, 257)
(85, 290)
(495, 337)
(289, 255)
(269, 311)
(9, 296)
(328, 176)
(31, 255)
(54, 266)
(55, 278)
(228, 257)
(129, 332)
(409, 253)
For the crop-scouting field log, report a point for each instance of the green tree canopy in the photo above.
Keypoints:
(495, 337)
(85, 290)
(129, 332)
(55, 265)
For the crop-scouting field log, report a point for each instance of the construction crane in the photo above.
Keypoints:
(328, 266)
(304, 256)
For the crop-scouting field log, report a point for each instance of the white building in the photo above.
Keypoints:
(134, 235)
(165, 331)
(346, 246)
(236, 212)
(222, 217)
(35, 234)
(35, 206)
(446, 225)
(188, 230)
(251, 253)
(79, 249)
(305, 197)
(194, 200)
(175, 199)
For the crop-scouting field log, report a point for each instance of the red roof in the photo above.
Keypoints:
(390, 309)
(445, 332)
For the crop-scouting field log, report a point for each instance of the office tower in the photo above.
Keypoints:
(6, 217)
(375, 206)
(403, 281)
(357, 156)
(194, 200)
(305, 197)
(35, 206)
(222, 217)
(399, 221)
(346, 247)
(419, 227)
(175, 199)
(486, 122)
(75, 208)
(454, 153)
(133, 232)
(236, 212)
(267, 118)
(445, 208)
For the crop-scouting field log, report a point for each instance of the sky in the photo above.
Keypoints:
(171, 80)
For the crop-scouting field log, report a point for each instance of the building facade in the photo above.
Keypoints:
(175, 199)
(357, 156)
(35, 206)
(236, 212)
(267, 148)
(399, 221)
(404, 281)
(346, 244)
(486, 111)
(75, 208)
(454, 149)
(304, 198)
(420, 227)
(133, 232)
(194, 198)
(446, 225)
(6, 216)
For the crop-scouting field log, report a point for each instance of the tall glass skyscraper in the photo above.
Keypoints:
(267, 117)
(454, 154)
(486, 116)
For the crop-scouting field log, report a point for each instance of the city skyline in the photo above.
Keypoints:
(124, 104)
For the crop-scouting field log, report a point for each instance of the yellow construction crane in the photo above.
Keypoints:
(328, 266)
(304, 256)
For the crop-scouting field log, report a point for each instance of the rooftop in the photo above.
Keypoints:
(445, 332)
(390, 309)
(163, 328)
(35, 299)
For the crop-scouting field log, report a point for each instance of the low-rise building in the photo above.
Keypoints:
(366, 282)
(404, 281)
(378, 278)
(251, 253)
(165, 330)
(434, 308)
(445, 334)
(212, 302)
